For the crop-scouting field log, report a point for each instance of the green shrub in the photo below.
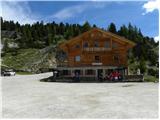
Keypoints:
(152, 72)
(148, 78)
(24, 73)
(3, 54)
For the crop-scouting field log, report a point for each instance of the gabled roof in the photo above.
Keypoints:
(118, 38)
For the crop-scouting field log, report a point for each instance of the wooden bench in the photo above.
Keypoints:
(133, 78)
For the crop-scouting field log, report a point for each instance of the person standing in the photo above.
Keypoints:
(77, 77)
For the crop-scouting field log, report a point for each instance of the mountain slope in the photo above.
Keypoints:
(31, 60)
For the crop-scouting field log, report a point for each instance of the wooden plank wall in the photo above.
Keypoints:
(106, 57)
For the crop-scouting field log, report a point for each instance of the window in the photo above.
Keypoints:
(96, 44)
(77, 58)
(65, 72)
(114, 45)
(85, 45)
(97, 58)
(89, 72)
(107, 44)
(116, 58)
(77, 46)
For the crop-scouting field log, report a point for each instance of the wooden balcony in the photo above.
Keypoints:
(96, 49)
(93, 64)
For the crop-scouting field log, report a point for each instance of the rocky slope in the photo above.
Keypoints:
(31, 59)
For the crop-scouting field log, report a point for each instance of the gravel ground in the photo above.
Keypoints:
(25, 97)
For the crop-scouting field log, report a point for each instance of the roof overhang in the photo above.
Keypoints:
(129, 43)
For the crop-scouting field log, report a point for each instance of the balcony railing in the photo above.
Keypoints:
(90, 64)
(96, 49)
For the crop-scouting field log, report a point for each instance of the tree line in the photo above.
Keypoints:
(40, 35)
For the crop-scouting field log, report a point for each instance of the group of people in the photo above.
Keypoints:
(113, 76)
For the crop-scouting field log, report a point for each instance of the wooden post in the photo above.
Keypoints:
(71, 72)
(96, 73)
(103, 72)
(83, 70)
(126, 71)
(123, 73)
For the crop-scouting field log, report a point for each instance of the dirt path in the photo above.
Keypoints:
(26, 97)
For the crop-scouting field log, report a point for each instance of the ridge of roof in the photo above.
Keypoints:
(105, 32)
(117, 36)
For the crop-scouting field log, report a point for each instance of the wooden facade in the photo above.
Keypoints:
(95, 49)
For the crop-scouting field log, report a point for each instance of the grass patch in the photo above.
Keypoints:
(21, 59)
(24, 73)
(30, 59)
(148, 78)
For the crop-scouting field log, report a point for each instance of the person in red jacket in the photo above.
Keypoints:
(115, 75)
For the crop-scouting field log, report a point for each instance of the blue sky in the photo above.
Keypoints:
(99, 13)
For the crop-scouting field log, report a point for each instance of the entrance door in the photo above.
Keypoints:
(99, 72)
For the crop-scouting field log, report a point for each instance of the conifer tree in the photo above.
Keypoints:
(86, 26)
(142, 65)
(112, 28)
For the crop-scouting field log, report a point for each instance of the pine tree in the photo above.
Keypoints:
(142, 65)
(61, 28)
(2, 24)
(17, 27)
(50, 35)
(94, 26)
(123, 31)
(86, 26)
(11, 26)
(112, 28)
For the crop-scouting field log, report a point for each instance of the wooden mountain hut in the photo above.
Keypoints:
(92, 53)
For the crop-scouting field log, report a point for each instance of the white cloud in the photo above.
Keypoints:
(20, 11)
(157, 38)
(69, 12)
(17, 11)
(151, 5)
(72, 11)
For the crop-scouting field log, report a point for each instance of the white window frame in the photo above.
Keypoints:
(77, 58)
(107, 44)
